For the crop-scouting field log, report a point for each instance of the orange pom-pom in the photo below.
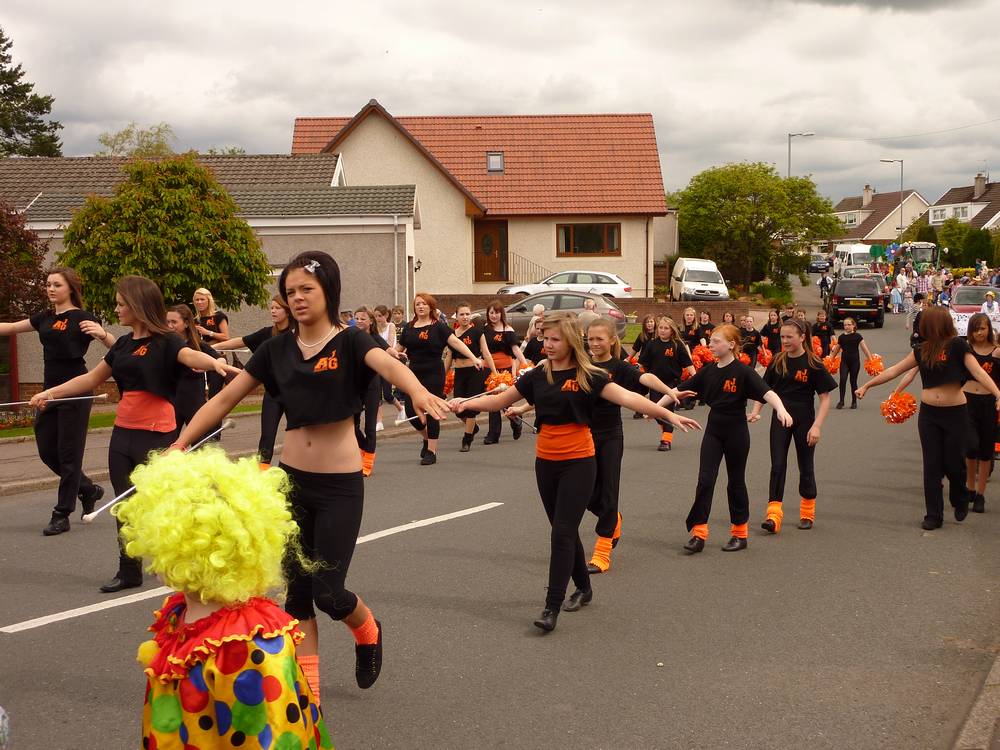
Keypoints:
(874, 365)
(685, 374)
(501, 378)
(449, 382)
(745, 358)
(898, 407)
(634, 359)
(832, 364)
(817, 347)
(704, 353)
(764, 356)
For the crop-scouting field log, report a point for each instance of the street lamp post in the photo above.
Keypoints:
(899, 236)
(790, 136)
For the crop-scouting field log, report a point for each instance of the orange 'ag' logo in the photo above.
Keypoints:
(668, 351)
(326, 363)
(943, 356)
(988, 368)
(729, 386)
(570, 385)
(60, 325)
(498, 337)
(802, 376)
(467, 341)
(423, 336)
(141, 351)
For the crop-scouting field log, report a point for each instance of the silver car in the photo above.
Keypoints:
(589, 282)
(519, 313)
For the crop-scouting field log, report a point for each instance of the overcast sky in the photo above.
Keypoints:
(724, 79)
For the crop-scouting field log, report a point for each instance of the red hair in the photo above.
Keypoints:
(431, 303)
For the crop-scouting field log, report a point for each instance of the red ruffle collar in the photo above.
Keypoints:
(180, 645)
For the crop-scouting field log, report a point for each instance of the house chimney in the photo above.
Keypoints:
(980, 186)
(866, 196)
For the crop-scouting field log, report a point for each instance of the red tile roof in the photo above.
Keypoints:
(553, 164)
(991, 197)
(882, 205)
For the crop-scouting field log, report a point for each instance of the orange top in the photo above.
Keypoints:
(502, 360)
(142, 410)
(564, 442)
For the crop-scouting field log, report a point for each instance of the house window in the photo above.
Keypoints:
(851, 219)
(960, 212)
(588, 239)
(494, 161)
(939, 214)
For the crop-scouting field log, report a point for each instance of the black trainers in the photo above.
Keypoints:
(978, 504)
(58, 524)
(429, 458)
(87, 504)
(368, 661)
(578, 599)
(547, 620)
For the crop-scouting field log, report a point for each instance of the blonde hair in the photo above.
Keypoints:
(213, 528)
(612, 331)
(693, 313)
(675, 332)
(211, 300)
(566, 325)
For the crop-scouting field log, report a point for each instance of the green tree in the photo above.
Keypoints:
(978, 245)
(24, 129)
(22, 280)
(995, 239)
(133, 140)
(226, 151)
(173, 223)
(927, 233)
(951, 235)
(753, 222)
(920, 231)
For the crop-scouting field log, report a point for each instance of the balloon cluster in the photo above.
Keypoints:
(449, 382)
(899, 407)
(874, 365)
(832, 364)
(701, 355)
(764, 357)
(817, 346)
(494, 381)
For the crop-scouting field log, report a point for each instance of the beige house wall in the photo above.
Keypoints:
(886, 230)
(376, 153)
(665, 238)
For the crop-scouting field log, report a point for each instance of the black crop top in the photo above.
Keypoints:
(325, 388)
(425, 345)
(214, 321)
(534, 351)
(989, 363)
(148, 364)
(726, 389)
(608, 415)
(950, 365)
(665, 359)
(501, 341)
(562, 401)
(471, 339)
(800, 381)
(63, 344)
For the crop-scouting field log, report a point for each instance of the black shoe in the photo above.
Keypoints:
(119, 584)
(368, 661)
(854, 405)
(962, 509)
(466, 442)
(491, 440)
(978, 504)
(593, 569)
(58, 524)
(515, 428)
(694, 545)
(475, 431)
(547, 620)
(424, 451)
(929, 524)
(663, 446)
(578, 599)
(805, 523)
(87, 504)
(735, 544)
(769, 525)
(429, 458)
(840, 404)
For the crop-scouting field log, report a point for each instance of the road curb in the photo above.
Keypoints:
(981, 730)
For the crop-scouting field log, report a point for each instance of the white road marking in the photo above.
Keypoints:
(164, 590)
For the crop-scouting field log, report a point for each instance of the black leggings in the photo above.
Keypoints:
(849, 367)
(565, 487)
(609, 448)
(128, 449)
(433, 380)
(328, 509)
(803, 417)
(271, 411)
(496, 419)
(982, 426)
(725, 437)
(366, 437)
(655, 396)
(469, 382)
(190, 397)
(943, 434)
(61, 436)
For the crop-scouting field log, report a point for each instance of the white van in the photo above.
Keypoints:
(697, 279)
(851, 254)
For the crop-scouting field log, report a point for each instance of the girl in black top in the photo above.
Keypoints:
(667, 358)
(366, 420)
(320, 373)
(848, 344)
(609, 440)
(190, 394)
(823, 330)
(945, 363)
(646, 333)
(725, 386)
(751, 339)
(423, 340)
(146, 365)
(61, 431)
(565, 391)
(271, 410)
(532, 348)
(705, 326)
(502, 343)
(771, 331)
(728, 317)
(796, 374)
(469, 379)
(982, 411)
(213, 326)
(690, 329)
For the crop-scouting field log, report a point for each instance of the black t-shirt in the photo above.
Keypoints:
(188, 376)
(562, 401)
(705, 330)
(989, 363)
(214, 321)
(726, 389)
(691, 334)
(255, 339)
(750, 341)
(325, 388)
(148, 364)
(425, 345)
(607, 415)
(534, 351)
(64, 345)
(471, 339)
(824, 331)
(665, 359)
(771, 332)
(800, 381)
(949, 367)
(501, 341)
(640, 341)
(850, 344)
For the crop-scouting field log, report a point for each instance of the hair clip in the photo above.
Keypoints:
(311, 266)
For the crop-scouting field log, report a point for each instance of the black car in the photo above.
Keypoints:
(879, 279)
(818, 263)
(858, 298)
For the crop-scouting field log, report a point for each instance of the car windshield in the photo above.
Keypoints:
(855, 287)
(922, 254)
(711, 277)
(817, 256)
(972, 295)
(851, 272)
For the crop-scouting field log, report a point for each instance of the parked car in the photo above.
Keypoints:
(967, 301)
(596, 282)
(697, 279)
(818, 263)
(880, 280)
(519, 313)
(850, 272)
(861, 299)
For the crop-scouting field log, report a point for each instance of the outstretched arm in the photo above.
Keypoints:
(631, 400)
(891, 373)
(403, 378)
(79, 385)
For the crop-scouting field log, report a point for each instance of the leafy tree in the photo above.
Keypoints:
(133, 140)
(173, 223)
(920, 231)
(24, 131)
(978, 245)
(951, 235)
(22, 280)
(927, 233)
(753, 222)
(226, 151)
(995, 239)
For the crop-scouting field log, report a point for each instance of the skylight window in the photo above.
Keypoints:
(494, 161)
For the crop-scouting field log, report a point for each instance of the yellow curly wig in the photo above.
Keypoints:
(211, 527)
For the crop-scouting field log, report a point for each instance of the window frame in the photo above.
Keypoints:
(960, 212)
(939, 214)
(491, 169)
(603, 254)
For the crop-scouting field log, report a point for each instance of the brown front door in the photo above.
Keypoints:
(490, 251)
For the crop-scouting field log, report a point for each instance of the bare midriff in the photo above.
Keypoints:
(323, 448)
(950, 394)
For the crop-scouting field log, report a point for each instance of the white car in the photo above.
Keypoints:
(588, 282)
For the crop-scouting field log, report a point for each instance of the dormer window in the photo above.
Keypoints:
(494, 161)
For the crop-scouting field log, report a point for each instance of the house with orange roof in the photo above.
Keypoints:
(509, 197)
(873, 218)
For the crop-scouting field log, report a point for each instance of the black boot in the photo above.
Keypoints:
(466, 442)
(120, 582)
(368, 661)
(694, 545)
(547, 620)
(978, 504)
(578, 599)
(491, 439)
(515, 428)
(962, 509)
(58, 524)
(423, 450)
(87, 502)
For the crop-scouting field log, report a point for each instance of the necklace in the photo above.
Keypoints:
(321, 341)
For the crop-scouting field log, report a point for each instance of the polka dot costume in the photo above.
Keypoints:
(228, 680)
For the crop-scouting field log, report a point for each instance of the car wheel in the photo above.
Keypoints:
(880, 321)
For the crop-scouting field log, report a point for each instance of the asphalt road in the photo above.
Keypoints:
(863, 632)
